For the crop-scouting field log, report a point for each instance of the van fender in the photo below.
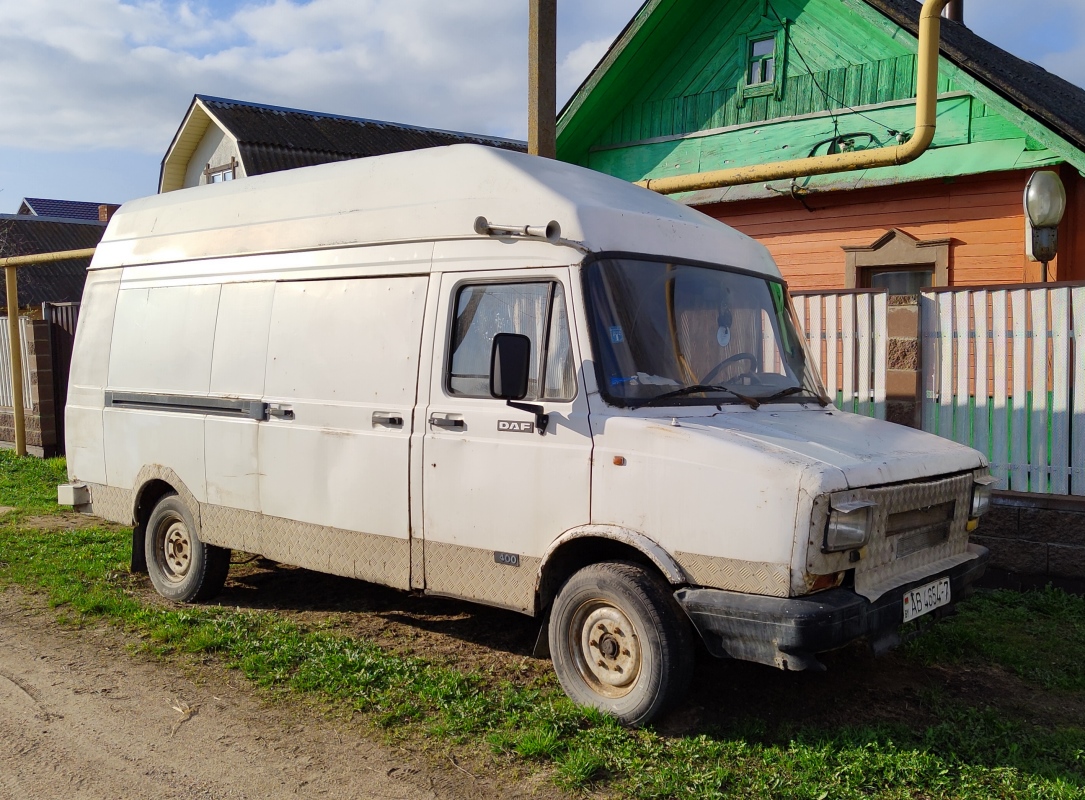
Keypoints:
(157, 472)
(149, 474)
(658, 556)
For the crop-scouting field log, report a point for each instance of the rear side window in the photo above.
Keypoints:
(536, 310)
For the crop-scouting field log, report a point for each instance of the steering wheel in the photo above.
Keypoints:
(712, 374)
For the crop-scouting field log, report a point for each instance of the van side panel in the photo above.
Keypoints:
(342, 365)
(163, 339)
(162, 344)
(237, 371)
(90, 368)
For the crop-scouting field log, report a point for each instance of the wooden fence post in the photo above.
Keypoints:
(12, 288)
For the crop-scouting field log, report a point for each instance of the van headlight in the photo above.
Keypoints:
(982, 488)
(849, 525)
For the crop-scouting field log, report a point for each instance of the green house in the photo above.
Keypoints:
(697, 85)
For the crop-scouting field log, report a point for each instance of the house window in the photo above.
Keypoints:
(765, 49)
(221, 174)
(899, 281)
(762, 61)
(898, 263)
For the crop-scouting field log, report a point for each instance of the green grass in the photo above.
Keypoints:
(30, 484)
(1038, 635)
(969, 753)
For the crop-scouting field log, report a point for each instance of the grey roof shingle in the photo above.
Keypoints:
(60, 209)
(1046, 97)
(272, 138)
(57, 282)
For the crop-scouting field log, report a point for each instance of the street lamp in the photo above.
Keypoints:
(1045, 203)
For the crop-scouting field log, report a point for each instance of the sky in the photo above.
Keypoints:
(91, 92)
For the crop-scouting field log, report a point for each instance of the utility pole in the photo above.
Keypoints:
(542, 64)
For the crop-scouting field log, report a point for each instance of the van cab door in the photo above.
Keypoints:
(497, 490)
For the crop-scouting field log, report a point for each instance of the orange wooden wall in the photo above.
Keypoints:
(983, 215)
(1072, 232)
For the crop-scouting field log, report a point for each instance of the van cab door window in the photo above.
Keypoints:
(535, 310)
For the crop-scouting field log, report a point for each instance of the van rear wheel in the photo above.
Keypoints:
(181, 567)
(620, 643)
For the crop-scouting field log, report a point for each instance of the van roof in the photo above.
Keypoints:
(424, 195)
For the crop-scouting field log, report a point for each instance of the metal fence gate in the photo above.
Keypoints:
(63, 318)
(6, 397)
(1000, 367)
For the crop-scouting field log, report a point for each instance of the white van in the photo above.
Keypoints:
(474, 373)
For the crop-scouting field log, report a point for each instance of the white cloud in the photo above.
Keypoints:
(1069, 64)
(578, 63)
(102, 73)
(1050, 33)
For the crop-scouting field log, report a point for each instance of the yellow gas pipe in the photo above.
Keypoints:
(926, 109)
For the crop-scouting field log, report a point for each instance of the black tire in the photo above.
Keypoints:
(181, 567)
(635, 674)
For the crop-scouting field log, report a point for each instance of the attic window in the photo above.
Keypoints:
(220, 174)
(762, 61)
(765, 46)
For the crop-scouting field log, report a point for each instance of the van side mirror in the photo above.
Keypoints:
(510, 366)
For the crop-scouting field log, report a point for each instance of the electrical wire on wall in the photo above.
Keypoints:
(838, 142)
(900, 136)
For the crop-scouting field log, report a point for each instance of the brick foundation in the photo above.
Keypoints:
(1034, 540)
(41, 417)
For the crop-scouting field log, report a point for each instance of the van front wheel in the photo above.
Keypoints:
(181, 567)
(620, 642)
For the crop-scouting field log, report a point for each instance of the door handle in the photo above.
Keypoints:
(447, 422)
(279, 411)
(387, 419)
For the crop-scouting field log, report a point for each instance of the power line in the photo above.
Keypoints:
(825, 94)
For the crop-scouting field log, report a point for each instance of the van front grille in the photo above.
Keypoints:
(920, 528)
(915, 524)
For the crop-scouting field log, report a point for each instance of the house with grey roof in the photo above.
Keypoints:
(30, 234)
(66, 209)
(221, 140)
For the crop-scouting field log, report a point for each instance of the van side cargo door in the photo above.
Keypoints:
(342, 376)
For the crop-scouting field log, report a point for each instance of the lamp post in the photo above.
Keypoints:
(1045, 203)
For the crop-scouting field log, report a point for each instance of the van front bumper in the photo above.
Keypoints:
(789, 632)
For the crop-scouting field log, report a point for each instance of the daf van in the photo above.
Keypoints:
(474, 373)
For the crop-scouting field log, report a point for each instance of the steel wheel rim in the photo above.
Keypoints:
(606, 648)
(175, 549)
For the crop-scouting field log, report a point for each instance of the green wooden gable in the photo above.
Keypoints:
(680, 93)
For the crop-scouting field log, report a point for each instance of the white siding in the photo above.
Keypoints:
(215, 148)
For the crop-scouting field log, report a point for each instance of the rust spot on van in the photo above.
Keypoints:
(816, 583)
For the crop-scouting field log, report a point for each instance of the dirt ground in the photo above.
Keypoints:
(80, 718)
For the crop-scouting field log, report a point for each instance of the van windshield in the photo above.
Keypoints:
(668, 333)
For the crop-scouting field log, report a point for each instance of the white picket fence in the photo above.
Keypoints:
(848, 336)
(1000, 368)
(6, 394)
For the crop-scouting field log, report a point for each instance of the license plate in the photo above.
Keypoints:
(924, 599)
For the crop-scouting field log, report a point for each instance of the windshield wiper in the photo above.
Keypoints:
(701, 388)
(790, 390)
